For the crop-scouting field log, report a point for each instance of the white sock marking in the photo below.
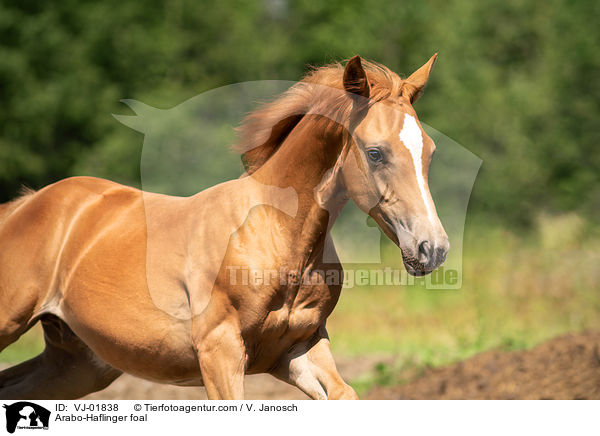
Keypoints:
(412, 139)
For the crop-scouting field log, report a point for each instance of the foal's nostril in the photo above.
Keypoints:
(425, 252)
(440, 255)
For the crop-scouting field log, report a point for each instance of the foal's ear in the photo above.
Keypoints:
(355, 78)
(413, 86)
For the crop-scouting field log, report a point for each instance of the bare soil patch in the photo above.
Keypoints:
(567, 367)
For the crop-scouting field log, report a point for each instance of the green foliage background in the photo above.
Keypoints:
(516, 81)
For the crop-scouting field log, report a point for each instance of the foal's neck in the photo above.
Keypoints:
(305, 162)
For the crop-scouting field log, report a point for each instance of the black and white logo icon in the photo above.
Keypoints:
(26, 415)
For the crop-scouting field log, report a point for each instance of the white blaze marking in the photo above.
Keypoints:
(412, 138)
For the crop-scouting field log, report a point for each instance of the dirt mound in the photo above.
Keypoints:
(567, 367)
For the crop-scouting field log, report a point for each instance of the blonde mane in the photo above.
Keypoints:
(264, 130)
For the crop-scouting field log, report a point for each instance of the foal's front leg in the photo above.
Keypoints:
(221, 354)
(310, 367)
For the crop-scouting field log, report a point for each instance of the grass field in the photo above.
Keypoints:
(518, 290)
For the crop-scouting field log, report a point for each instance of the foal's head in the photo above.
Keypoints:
(385, 161)
(386, 164)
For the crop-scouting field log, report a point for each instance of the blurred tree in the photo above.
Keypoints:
(516, 81)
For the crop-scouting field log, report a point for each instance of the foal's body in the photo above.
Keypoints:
(130, 281)
(94, 275)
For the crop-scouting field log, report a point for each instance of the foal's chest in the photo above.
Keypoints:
(292, 317)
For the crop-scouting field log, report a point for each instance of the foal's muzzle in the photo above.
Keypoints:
(420, 256)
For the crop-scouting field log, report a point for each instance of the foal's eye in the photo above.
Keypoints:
(375, 154)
